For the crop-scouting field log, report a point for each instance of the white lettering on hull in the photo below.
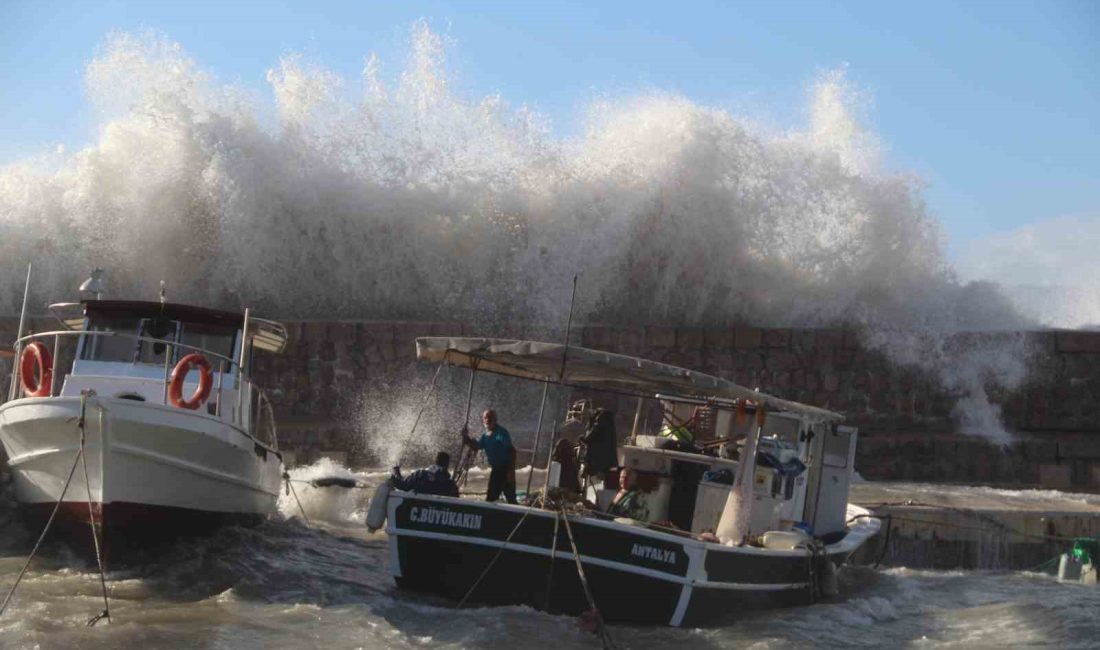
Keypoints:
(441, 517)
(653, 553)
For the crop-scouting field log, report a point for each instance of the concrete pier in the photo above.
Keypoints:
(963, 527)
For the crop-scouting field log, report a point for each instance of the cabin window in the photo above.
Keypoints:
(216, 339)
(156, 334)
(111, 348)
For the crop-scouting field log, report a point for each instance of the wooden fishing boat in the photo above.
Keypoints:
(701, 551)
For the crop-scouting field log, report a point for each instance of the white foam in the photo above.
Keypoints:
(398, 197)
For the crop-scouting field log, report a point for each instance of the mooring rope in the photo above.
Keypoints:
(553, 554)
(49, 522)
(492, 562)
(106, 613)
(601, 627)
(290, 488)
(423, 405)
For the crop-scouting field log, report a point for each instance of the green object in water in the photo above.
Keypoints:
(1086, 549)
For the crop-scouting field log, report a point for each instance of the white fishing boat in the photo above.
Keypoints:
(175, 437)
(698, 546)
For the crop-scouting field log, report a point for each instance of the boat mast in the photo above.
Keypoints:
(561, 380)
(538, 435)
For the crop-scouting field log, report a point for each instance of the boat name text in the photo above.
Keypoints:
(652, 553)
(445, 518)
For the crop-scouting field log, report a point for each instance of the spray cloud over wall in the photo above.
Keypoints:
(397, 197)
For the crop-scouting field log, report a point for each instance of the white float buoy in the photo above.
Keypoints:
(376, 514)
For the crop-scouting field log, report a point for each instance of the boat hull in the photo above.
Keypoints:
(636, 574)
(153, 472)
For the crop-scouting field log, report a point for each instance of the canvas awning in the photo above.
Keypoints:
(598, 370)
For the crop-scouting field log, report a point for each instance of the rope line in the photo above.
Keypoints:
(553, 554)
(290, 488)
(49, 522)
(601, 627)
(492, 562)
(106, 613)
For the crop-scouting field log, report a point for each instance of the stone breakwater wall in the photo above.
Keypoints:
(904, 415)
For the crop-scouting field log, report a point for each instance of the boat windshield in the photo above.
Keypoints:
(111, 348)
(156, 334)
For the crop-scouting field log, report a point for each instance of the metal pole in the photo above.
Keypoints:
(18, 345)
(637, 417)
(549, 459)
(56, 356)
(241, 366)
(459, 464)
(561, 379)
(221, 379)
(167, 361)
(538, 435)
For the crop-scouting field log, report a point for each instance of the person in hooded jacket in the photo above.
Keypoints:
(434, 479)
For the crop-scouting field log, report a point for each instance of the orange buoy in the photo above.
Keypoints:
(179, 373)
(36, 356)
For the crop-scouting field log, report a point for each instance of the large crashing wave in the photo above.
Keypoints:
(402, 199)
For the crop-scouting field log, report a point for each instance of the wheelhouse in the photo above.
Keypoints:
(133, 350)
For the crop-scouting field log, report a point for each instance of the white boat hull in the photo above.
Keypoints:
(150, 468)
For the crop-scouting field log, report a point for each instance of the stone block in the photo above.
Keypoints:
(778, 338)
(596, 336)
(1055, 477)
(781, 361)
(804, 339)
(660, 337)
(829, 339)
(718, 338)
(314, 332)
(1076, 342)
(629, 339)
(747, 337)
(447, 329)
(377, 333)
(689, 337)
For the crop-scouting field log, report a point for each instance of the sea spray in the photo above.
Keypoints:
(399, 197)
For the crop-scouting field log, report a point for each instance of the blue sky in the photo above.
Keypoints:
(993, 104)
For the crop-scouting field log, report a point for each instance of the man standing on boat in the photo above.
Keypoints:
(497, 444)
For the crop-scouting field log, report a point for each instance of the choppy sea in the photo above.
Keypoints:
(287, 585)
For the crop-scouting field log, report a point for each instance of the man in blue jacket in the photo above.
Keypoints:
(497, 444)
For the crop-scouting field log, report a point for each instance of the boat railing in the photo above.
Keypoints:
(223, 365)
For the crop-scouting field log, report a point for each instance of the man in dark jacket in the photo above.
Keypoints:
(434, 479)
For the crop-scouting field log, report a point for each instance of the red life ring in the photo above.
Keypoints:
(36, 354)
(179, 373)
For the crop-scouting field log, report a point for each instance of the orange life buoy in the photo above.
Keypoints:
(36, 356)
(179, 373)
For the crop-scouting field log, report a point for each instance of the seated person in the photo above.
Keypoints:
(630, 501)
(434, 479)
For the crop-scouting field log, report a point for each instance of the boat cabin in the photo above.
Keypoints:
(133, 350)
(801, 474)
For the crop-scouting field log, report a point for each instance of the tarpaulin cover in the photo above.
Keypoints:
(599, 370)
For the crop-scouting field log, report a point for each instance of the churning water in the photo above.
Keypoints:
(400, 197)
(284, 585)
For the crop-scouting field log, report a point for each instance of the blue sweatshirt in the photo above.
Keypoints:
(497, 445)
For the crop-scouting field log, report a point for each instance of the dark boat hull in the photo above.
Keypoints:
(637, 575)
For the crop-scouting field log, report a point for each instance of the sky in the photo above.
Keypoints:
(993, 104)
